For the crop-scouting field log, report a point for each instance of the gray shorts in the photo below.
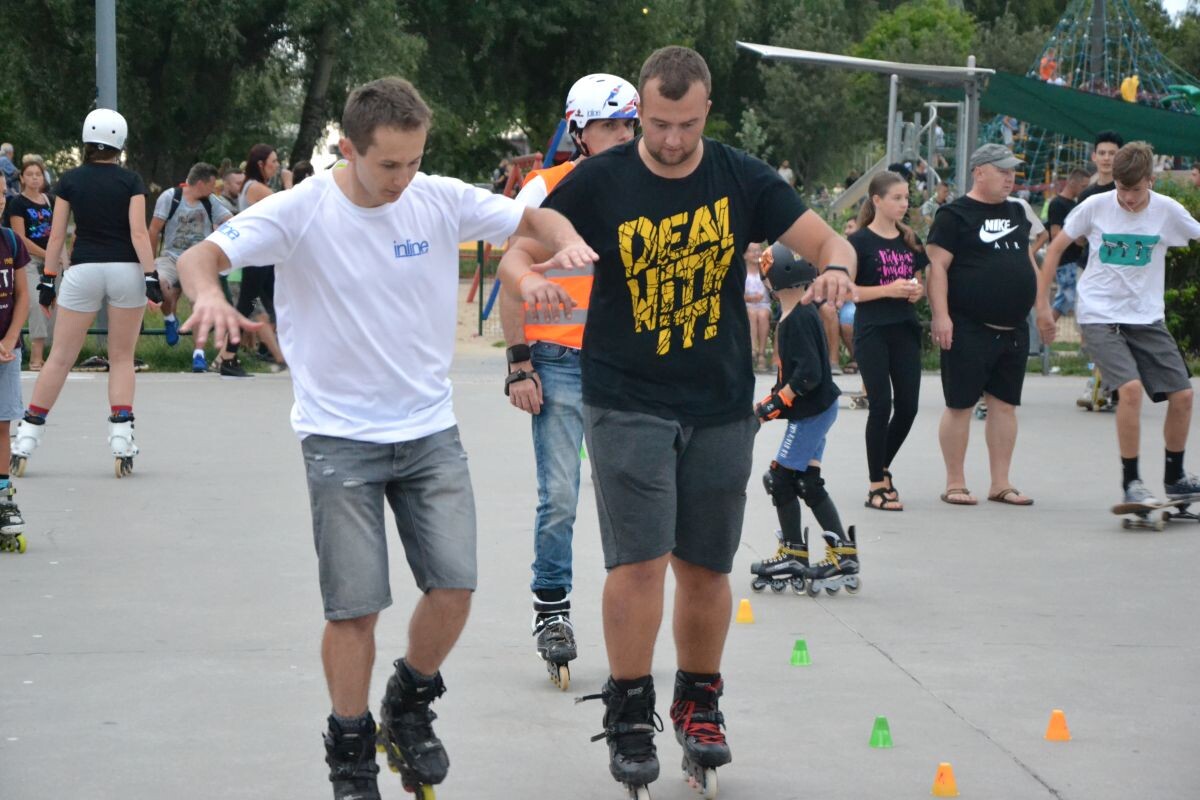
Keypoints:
(85, 287)
(40, 326)
(663, 487)
(1127, 353)
(168, 273)
(428, 486)
(11, 406)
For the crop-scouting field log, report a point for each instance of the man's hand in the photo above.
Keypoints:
(211, 312)
(1045, 323)
(833, 285)
(46, 294)
(941, 330)
(575, 255)
(771, 407)
(526, 394)
(153, 289)
(545, 301)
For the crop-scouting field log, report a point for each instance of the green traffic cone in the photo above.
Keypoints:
(881, 734)
(800, 656)
(582, 452)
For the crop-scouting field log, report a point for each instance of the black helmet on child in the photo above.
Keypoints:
(787, 270)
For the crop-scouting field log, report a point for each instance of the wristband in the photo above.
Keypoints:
(517, 353)
(846, 270)
(519, 375)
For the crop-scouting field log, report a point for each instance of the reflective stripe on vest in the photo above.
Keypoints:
(566, 332)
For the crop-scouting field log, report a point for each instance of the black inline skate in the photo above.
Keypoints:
(698, 722)
(12, 524)
(789, 565)
(554, 634)
(629, 725)
(350, 754)
(840, 567)
(406, 731)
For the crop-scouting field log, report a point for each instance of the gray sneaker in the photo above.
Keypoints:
(1187, 485)
(1136, 494)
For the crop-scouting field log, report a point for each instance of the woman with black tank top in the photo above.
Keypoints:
(887, 334)
(113, 264)
(258, 283)
(29, 216)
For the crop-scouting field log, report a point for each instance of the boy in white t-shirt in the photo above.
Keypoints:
(368, 246)
(1120, 310)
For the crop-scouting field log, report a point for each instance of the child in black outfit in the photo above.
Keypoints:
(806, 396)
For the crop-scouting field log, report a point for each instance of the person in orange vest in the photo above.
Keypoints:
(544, 378)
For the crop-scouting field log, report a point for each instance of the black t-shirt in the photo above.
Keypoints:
(667, 331)
(804, 363)
(880, 262)
(1096, 188)
(99, 196)
(35, 215)
(991, 277)
(1060, 207)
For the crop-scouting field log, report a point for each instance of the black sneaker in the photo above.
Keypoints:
(232, 368)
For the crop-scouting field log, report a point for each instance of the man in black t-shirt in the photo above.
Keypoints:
(982, 284)
(668, 387)
(1068, 268)
(1103, 152)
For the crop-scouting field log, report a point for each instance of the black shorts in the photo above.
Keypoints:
(983, 359)
(258, 283)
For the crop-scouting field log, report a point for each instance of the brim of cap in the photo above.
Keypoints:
(1008, 162)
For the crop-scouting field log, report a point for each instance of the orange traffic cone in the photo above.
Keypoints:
(943, 783)
(1057, 731)
(745, 614)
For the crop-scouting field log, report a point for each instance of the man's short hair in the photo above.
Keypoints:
(1079, 174)
(231, 171)
(387, 102)
(1134, 163)
(6, 149)
(676, 68)
(200, 173)
(1109, 136)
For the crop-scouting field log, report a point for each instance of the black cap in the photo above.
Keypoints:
(787, 271)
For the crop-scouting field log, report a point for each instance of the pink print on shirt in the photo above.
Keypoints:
(895, 265)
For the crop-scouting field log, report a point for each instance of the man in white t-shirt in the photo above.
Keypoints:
(372, 245)
(1120, 310)
(183, 216)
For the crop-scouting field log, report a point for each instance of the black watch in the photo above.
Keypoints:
(517, 353)
(839, 269)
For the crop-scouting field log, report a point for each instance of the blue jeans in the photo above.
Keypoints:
(557, 438)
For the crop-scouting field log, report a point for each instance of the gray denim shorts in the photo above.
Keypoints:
(1127, 353)
(11, 406)
(428, 486)
(85, 287)
(663, 487)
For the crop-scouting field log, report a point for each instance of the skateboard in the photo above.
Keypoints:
(858, 401)
(1142, 517)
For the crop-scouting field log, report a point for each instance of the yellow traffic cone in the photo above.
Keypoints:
(943, 783)
(745, 614)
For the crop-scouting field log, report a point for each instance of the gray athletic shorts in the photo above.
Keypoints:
(11, 406)
(40, 326)
(663, 487)
(168, 273)
(428, 486)
(85, 287)
(1127, 353)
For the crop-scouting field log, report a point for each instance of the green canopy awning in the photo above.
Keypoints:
(1081, 115)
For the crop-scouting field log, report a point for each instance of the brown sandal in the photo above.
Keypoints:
(1006, 496)
(960, 491)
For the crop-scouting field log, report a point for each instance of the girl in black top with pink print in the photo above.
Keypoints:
(887, 334)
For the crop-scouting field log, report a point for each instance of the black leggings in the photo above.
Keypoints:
(889, 360)
(258, 283)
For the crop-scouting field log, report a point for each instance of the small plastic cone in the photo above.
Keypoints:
(881, 734)
(745, 614)
(1057, 731)
(582, 452)
(800, 657)
(943, 783)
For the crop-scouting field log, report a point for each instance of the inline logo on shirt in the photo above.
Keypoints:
(675, 269)
(230, 232)
(1127, 249)
(408, 248)
(993, 230)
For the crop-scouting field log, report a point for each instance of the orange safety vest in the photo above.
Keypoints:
(577, 282)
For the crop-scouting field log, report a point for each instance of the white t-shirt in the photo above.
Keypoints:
(1126, 269)
(366, 298)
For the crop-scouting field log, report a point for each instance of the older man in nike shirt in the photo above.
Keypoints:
(982, 284)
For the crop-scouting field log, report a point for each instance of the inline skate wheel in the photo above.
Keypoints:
(853, 585)
(21, 543)
(1166, 516)
(638, 792)
(832, 590)
(16, 466)
(1126, 524)
(778, 586)
(563, 677)
(812, 589)
(423, 792)
(798, 585)
(710, 784)
(122, 466)
(758, 584)
(1160, 524)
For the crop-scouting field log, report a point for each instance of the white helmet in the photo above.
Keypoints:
(105, 126)
(600, 96)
